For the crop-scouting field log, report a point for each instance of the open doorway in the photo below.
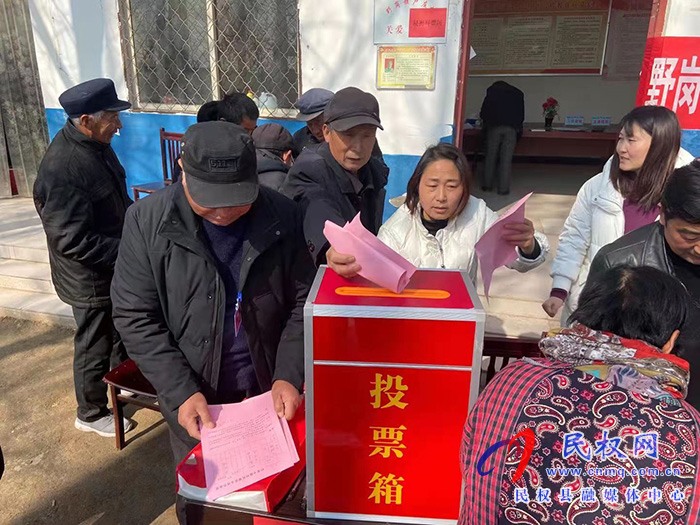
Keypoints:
(586, 55)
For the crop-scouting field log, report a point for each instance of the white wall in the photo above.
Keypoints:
(337, 51)
(682, 18)
(76, 40)
(587, 96)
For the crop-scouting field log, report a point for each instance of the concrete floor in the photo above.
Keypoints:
(55, 473)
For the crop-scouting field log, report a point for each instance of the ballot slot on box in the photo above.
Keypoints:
(390, 379)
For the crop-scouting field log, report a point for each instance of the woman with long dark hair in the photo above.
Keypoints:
(623, 197)
(440, 221)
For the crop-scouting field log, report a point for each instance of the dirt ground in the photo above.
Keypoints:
(55, 473)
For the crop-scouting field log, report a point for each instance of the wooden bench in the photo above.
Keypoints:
(507, 348)
(127, 377)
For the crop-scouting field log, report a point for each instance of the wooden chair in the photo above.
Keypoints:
(127, 377)
(170, 149)
(508, 348)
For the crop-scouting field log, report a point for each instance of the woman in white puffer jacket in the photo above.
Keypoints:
(440, 222)
(623, 197)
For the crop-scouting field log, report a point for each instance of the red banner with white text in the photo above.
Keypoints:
(671, 77)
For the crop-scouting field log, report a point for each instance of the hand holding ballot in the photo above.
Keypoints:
(193, 412)
(521, 235)
(356, 251)
(496, 247)
(286, 399)
(343, 264)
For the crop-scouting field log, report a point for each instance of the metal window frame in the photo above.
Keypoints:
(124, 15)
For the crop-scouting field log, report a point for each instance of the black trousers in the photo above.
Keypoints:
(182, 444)
(98, 348)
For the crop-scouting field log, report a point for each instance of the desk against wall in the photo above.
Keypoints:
(535, 142)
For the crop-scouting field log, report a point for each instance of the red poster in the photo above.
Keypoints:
(427, 23)
(671, 77)
(387, 440)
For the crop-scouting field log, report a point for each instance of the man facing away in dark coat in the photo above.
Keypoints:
(502, 116)
(210, 285)
(80, 195)
(273, 150)
(340, 178)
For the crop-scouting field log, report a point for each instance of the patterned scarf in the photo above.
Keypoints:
(631, 364)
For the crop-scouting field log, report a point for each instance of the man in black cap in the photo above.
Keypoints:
(210, 285)
(311, 105)
(341, 178)
(273, 149)
(80, 195)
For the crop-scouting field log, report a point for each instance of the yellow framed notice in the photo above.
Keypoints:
(406, 67)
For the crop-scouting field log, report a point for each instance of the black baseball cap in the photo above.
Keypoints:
(352, 107)
(98, 94)
(218, 159)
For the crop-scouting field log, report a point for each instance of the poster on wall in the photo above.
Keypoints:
(539, 37)
(406, 67)
(629, 24)
(671, 77)
(410, 21)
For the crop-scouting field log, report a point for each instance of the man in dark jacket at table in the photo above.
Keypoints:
(340, 178)
(210, 285)
(80, 195)
(671, 245)
(502, 116)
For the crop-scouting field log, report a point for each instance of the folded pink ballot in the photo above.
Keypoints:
(380, 264)
(492, 251)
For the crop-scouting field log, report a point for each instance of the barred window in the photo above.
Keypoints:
(179, 54)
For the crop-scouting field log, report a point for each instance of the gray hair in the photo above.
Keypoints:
(96, 116)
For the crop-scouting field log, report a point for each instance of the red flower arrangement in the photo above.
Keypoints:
(550, 108)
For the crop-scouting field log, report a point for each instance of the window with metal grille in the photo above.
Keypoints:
(179, 54)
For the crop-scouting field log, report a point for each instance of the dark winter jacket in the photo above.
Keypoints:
(504, 105)
(326, 192)
(271, 170)
(169, 299)
(80, 195)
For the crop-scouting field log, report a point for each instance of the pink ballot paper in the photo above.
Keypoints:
(380, 264)
(249, 444)
(492, 251)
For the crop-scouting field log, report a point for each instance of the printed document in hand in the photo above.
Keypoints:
(380, 264)
(492, 251)
(249, 443)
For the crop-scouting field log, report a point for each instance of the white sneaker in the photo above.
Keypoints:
(102, 427)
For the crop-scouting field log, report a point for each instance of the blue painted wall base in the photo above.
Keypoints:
(138, 148)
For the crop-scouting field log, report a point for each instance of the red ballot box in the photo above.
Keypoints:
(390, 379)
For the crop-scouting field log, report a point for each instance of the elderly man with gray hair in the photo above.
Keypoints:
(80, 195)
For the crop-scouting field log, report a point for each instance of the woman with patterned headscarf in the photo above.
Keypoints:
(603, 434)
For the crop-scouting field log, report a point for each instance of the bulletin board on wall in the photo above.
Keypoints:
(504, 30)
(539, 37)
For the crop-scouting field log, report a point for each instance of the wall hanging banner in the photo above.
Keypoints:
(671, 77)
(410, 21)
